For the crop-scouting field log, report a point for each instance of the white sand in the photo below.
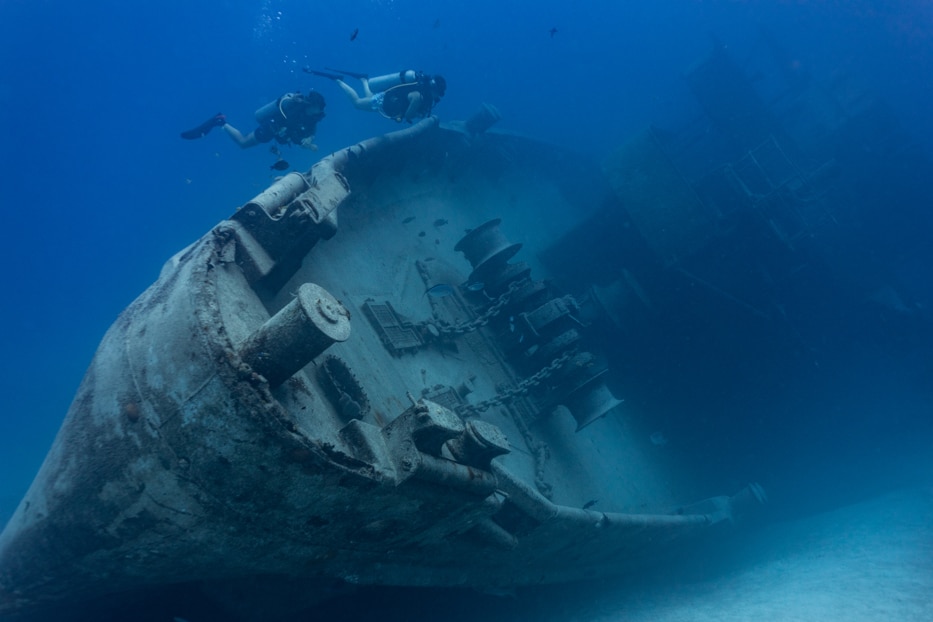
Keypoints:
(867, 562)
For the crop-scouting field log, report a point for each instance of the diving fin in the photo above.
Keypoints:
(323, 74)
(204, 129)
(352, 74)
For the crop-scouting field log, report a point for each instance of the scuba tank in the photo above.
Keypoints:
(382, 83)
(272, 113)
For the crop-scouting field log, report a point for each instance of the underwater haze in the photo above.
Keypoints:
(99, 190)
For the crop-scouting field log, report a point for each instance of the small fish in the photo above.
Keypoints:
(658, 438)
(590, 503)
(408, 220)
(475, 286)
(274, 150)
(421, 234)
(356, 31)
(553, 32)
(280, 165)
(439, 291)
(440, 222)
(437, 23)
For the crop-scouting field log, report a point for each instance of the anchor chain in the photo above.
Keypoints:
(456, 330)
(522, 388)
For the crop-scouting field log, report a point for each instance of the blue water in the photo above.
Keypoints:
(98, 190)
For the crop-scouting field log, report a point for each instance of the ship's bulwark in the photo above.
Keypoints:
(179, 463)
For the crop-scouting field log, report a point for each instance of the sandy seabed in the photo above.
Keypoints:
(867, 562)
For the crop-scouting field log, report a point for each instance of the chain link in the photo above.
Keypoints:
(522, 388)
(456, 330)
(507, 395)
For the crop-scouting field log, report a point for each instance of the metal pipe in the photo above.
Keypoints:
(376, 146)
(460, 476)
(523, 496)
(279, 194)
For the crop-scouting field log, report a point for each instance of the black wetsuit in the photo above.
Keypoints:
(296, 119)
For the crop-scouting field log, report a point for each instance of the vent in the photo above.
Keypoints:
(396, 337)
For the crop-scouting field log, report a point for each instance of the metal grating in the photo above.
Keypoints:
(764, 169)
(444, 396)
(396, 337)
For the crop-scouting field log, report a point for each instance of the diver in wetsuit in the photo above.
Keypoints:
(402, 96)
(290, 119)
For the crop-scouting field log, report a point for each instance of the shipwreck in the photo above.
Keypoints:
(401, 367)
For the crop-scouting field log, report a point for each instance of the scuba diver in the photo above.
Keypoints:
(402, 96)
(290, 119)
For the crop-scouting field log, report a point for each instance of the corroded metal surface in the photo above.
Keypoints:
(204, 445)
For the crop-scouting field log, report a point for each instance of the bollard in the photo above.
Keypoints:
(299, 332)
